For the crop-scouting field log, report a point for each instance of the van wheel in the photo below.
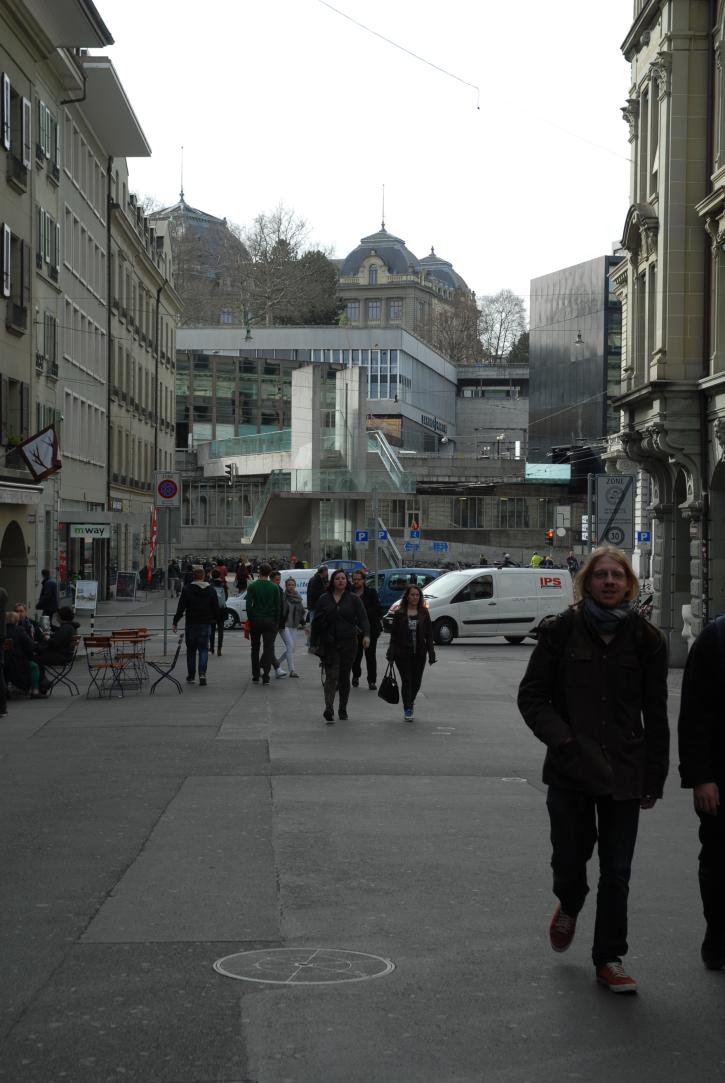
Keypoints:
(231, 619)
(444, 632)
(515, 639)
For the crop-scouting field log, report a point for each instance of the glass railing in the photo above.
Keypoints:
(263, 443)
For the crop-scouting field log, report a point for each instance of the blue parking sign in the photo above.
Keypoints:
(382, 535)
(361, 535)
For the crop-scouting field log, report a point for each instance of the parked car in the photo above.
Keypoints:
(484, 602)
(345, 565)
(236, 611)
(391, 582)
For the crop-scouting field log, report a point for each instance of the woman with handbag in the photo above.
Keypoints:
(411, 641)
(340, 618)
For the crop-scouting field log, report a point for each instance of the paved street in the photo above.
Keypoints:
(145, 839)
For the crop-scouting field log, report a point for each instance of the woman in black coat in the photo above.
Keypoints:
(411, 641)
(340, 618)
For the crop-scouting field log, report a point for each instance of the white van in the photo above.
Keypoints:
(504, 602)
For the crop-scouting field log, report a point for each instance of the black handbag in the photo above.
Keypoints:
(388, 689)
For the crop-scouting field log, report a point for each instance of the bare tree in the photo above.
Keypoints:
(503, 321)
(285, 282)
(456, 330)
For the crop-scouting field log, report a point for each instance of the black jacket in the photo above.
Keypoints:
(610, 699)
(315, 589)
(401, 645)
(17, 661)
(701, 726)
(342, 621)
(374, 610)
(58, 648)
(48, 601)
(198, 601)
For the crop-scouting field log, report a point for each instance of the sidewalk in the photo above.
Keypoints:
(145, 839)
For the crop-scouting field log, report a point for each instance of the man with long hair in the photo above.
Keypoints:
(595, 693)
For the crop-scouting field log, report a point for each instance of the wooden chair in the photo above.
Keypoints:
(59, 672)
(104, 669)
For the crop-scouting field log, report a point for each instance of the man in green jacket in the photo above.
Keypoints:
(264, 610)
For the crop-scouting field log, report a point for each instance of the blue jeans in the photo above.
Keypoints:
(578, 822)
(197, 639)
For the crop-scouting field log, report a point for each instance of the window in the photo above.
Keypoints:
(352, 311)
(374, 311)
(372, 276)
(225, 315)
(395, 310)
(6, 118)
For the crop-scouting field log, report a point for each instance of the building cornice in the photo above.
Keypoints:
(644, 21)
(652, 389)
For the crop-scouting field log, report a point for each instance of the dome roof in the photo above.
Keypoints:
(442, 271)
(392, 251)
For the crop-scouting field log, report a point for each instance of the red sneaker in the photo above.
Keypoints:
(561, 930)
(616, 979)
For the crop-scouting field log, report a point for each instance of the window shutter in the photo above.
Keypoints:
(6, 250)
(42, 125)
(27, 133)
(56, 262)
(39, 239)
(4, 388)
(46, 236)
(25, 274)
(56, 143)
(6, 111)
(24, 410)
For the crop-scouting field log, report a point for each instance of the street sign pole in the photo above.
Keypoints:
(167, 526)
(590, 510)
(375, 530)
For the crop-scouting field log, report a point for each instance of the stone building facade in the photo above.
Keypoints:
(672, 288)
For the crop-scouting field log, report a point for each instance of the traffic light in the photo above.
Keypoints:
(229, 471)
(550, 537)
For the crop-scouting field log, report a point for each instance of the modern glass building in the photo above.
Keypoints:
(234, 383)
(575, 350)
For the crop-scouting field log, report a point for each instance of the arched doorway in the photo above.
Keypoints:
(14, 564)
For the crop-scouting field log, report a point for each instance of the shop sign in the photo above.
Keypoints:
(90, 531)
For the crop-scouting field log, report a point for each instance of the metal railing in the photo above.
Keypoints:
(263, 443)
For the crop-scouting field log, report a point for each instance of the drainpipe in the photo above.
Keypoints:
(156, 378)
(109, 362)
(707, 307)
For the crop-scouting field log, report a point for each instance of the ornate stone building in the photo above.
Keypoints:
(672, 288)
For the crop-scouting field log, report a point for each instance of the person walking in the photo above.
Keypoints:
(536, 559)
(198, 601)
(48, 602)
(701, 737)
(276, 578)
(315, 588)
(173, 574)
(340, 618)
(371, 602)
(595, 693)
(411, 642)
(264, 608)
(220, 588)
(572, 563)
(293, 616)
(507, 562)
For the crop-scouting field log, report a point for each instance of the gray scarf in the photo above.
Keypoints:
(606, 621)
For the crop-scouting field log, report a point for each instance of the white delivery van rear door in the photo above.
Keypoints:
(554, 591)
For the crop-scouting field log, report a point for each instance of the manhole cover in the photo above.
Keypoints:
(303, 966)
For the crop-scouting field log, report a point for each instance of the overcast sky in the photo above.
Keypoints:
(288, 101)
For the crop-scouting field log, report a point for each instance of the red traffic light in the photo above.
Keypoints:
(550, 537)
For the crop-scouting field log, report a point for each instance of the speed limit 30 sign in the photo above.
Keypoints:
(167, 489)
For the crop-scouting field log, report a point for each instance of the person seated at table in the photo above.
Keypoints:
(21, 669)
(30, 627)
(58, 649)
